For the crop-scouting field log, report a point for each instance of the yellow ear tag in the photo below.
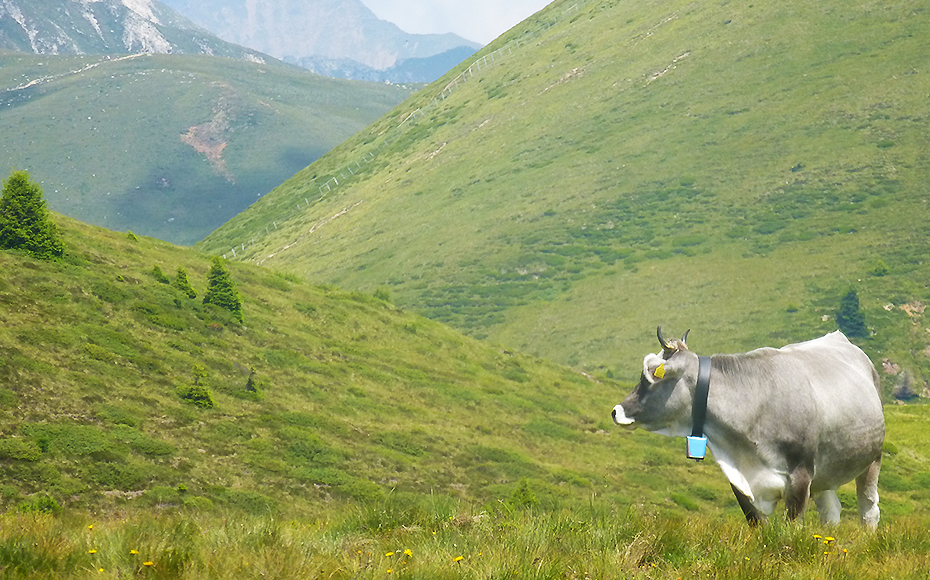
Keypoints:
(659, 372)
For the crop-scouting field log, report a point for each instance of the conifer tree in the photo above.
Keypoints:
(183, 284)
(850, 318)
(221, 291)
(24, 220)
(160, 276)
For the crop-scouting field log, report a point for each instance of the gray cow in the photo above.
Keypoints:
(787, 423)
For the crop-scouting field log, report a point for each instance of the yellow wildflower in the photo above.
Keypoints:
(148, 563)
(458, 558)
(818, 537)
(133, 552)
(389, 554)
(407, 552)
(91, 551)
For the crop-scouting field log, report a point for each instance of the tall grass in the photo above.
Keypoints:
(597, 540)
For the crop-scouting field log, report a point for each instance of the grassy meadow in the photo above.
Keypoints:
(730, 168)
(422, 381)
(439, 540)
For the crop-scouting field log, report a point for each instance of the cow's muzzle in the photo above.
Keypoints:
(620, 418)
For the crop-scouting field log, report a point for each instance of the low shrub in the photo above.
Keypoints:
(19, 449)
(197, 395)
(39, 504)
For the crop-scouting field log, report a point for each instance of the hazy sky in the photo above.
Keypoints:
(477, 20)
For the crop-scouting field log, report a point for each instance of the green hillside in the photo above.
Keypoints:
(352, 397)
(171, 145)
(609, 166)
(372, 443)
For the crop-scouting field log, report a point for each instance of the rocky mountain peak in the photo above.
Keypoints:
(293, 30)
(105, 27)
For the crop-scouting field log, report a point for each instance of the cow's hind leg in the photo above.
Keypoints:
(753, 515)
(828, 507)
(867, 494)
(797, 491)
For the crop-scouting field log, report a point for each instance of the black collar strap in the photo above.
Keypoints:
(699, 407)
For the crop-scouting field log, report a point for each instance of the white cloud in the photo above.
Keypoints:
(477, 20)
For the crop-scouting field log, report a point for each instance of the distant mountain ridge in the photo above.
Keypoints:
(411, 70)
(330, 34)
(107, 27)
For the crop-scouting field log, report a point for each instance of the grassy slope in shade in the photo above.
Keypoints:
(725, 167)
(104, 135)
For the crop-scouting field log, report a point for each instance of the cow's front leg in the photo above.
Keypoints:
(797, 491)
(828, 507)
(753, 515)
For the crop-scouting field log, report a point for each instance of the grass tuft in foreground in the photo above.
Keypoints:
(443, 540)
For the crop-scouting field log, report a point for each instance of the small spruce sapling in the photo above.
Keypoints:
(252, 384)
(197, 393)
(199, 373)
(25, 223)
(160, 276)
(183, 284)
(221, 291)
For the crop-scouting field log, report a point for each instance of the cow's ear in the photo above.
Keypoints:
(654, 368)
(658, 368)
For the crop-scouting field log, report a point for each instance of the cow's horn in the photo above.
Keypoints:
(684, 339)
(662, 341)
